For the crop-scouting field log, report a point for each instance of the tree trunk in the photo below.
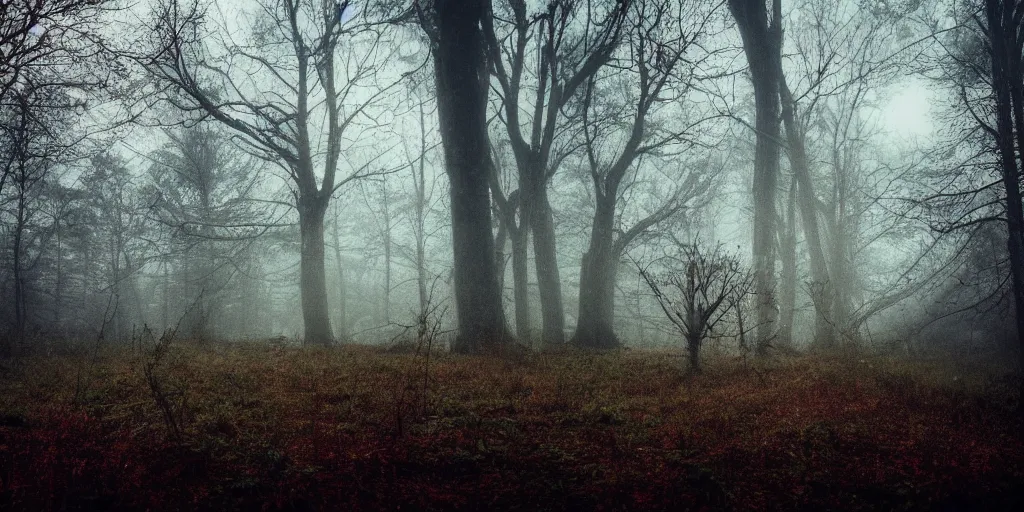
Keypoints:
(1016, 83)
(387, 272)
(461, 75)
(165, 316)
(342, 287)
(840, 271)
(20, 309)
(58, 288)
(519, 236)
(761, 46)
(787, 254)
(693, 342)
(420, 179)
(821, 286)
(421, 275)
(520, 282)
(313, 278)
(548, 280)
(1005, 61)
(595, 324)
(500, 240)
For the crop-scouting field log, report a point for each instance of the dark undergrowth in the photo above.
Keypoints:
(253, 427)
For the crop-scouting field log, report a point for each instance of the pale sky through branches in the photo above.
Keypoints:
(907, 113)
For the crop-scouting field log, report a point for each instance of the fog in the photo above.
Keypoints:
(683, 234)
(144, 190)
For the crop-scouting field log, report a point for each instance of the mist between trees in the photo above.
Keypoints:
(600, 173)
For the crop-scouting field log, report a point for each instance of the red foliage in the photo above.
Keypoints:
(320, 431)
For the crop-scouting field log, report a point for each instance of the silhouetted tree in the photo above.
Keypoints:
(701, 289)
(762, 37)
(460, 67)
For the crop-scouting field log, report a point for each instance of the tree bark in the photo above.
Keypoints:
(1005, 60)
(313, 278)
(545, 255)
(520, 282)
(595, 325)
(1016, 70)
(461, 76)
(787, 254)
(693, 343)
(761, 46)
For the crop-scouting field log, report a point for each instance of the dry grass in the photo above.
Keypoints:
(280, 428)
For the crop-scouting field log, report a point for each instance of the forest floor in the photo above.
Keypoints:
(250, 427)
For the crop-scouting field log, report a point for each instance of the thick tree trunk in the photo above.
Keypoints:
(548, 280)
(693, 343)
(313, 279)
(821, 286)
(761, 46)
(1015, 47)
(1005, 62)
(595, 324)
(461, 75)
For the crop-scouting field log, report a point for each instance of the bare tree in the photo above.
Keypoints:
(574, 39)
(38, 34)
(1003, 27)
(762, 38)
(379, 198)
(290, 92)
(30, 150)
(455, 27)
(841, 53)
(788, 275)
(48, 46)
(422, 198)
(659, 36)
(821, 286)
(39, 134)
(708, 285)
(121, 220)
(508, 209)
